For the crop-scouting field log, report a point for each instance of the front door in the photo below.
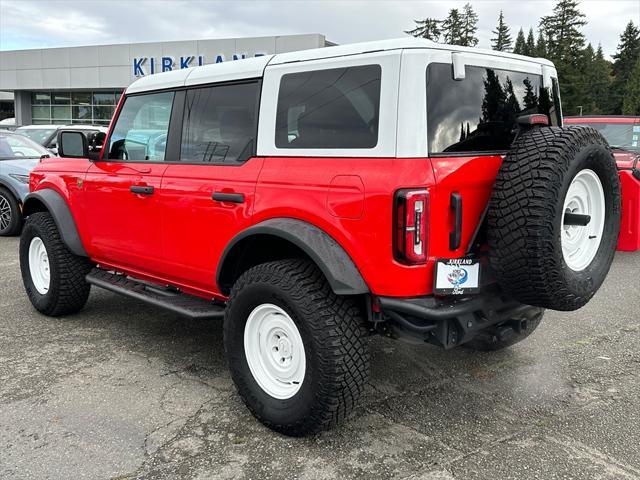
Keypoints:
(122, 190)
(208, 196)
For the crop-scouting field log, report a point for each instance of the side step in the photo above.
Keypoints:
(180, 303)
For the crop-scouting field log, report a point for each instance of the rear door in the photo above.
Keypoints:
(208, 194)
(122, 189)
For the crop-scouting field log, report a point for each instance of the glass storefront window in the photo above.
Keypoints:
(81, 112)
(102, 98)
(60, 98)
(40, 98)
(81, 98)
(40, 112)
(61, 113)
(65, 107)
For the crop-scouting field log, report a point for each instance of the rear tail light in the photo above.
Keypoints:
(411, 209)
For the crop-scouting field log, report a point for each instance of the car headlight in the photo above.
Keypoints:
(20, 178)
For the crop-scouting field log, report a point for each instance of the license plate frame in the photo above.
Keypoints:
(457, 276)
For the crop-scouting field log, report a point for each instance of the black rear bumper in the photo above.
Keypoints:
(452, 322)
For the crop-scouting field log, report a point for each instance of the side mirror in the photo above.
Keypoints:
(72, 144)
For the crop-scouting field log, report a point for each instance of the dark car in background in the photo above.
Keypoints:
(18, 156)
(47, 135)
(623, 134)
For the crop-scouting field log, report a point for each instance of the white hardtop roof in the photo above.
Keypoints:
(254, 67)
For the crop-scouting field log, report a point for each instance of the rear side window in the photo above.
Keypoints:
(219, 123)
(478, 114)
(140, 132)
(335, 108)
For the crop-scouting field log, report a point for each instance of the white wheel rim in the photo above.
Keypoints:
(39, 265)
(274, 351)
(585, 196)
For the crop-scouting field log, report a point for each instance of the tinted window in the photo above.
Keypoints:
(140, 133)
(219, 123)
(620, 135)
(336, 108)
(479, 113)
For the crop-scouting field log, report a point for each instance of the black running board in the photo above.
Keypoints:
(169, 299)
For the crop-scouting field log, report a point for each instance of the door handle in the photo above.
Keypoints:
(141, 190)
(228, 197)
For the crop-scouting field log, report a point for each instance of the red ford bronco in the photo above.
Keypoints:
(623, 134)
(310, 199)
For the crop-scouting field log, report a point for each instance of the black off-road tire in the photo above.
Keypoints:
(15, 222)
(333, 334)
(526, 210)
(68, 290)
(496, 338)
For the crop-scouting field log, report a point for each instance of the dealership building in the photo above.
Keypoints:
(82, 85)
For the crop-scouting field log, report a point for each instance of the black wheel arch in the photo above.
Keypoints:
(8, 187)
(49, 200)
(280, 238)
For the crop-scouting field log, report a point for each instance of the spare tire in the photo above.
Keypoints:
(554, 217)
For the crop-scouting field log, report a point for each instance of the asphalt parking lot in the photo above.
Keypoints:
(123, 390)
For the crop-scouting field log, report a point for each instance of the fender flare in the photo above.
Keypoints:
(59, 210)
(334, 262)
(7, 186)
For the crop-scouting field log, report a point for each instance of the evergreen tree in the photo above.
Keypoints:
(541, 46)
(562, 29)
(530, 97)
(531, 44)
(597, 79)
(631, 104)
(502, 41)
(625, 60)
(565, 47)
(521, 44)
(428, 28)
(452, 27)
(469, 20)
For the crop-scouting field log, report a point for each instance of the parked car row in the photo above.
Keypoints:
(20, 152)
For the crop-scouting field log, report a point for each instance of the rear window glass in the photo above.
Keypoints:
(335, 108)
(478, 114)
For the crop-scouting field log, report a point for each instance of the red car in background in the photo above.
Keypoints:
(623, 134)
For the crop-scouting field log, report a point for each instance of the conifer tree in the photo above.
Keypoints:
(469, 20)
(531, 44)
(521, 44)
(502, 41)
(624, 63)
(631, 103)
(541, 46)
(452, 27)
(565, 47)
(428, 28)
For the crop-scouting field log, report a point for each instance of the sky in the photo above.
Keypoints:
(62, 23)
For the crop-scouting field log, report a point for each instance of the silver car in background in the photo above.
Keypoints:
(18, 156)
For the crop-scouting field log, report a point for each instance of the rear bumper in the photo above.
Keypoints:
(450, 323)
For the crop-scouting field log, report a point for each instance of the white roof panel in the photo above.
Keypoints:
(254, 67)
(217, 72)
(227, 71)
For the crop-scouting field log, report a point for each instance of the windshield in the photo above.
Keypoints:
(39, 135)
(14, 147)
(619, 135)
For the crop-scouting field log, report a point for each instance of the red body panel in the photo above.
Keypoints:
(629, 239)
(195, 228)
